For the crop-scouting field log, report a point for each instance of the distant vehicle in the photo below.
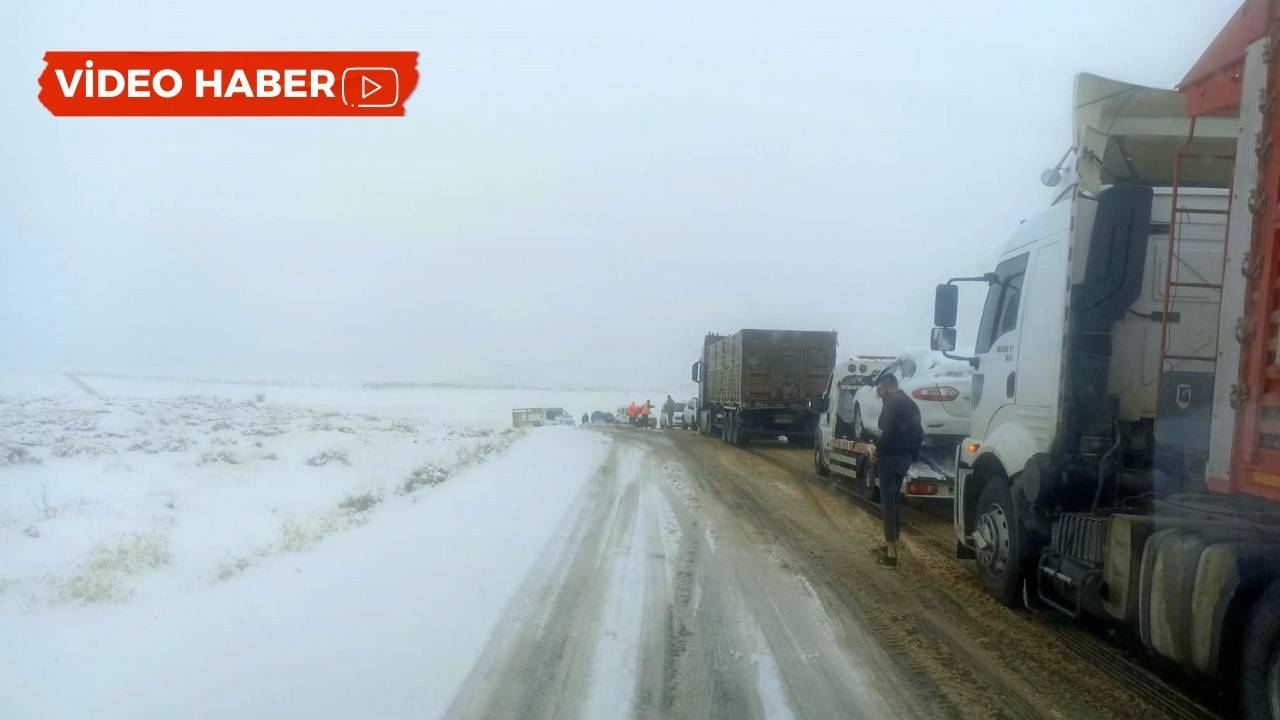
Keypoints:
(939, 385)
(758, 383)
(685, 415)
(539, 417)
(559, 416)
(599, 416)
(688, 414)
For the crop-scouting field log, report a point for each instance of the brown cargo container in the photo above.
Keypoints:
(757, 383)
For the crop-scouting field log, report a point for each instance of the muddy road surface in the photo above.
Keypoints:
(693, 579)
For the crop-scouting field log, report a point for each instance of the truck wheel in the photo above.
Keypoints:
(1260, 660)
(736, 436)
(867, 485)
(1000, 557)
(820, 458)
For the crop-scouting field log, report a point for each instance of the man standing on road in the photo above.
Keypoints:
(669, 411)
(898, 447)
(633, 412)
(645, 409)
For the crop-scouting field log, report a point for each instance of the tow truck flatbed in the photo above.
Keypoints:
(927, 477)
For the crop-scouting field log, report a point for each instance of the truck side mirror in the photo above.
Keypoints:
(945, 300)
(942, 338)
(695, 372)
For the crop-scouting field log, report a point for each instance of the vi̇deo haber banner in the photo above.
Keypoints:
(228, 83)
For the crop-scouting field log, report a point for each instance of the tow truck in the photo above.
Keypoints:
(838, 452)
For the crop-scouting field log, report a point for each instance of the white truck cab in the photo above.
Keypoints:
(1068, 351)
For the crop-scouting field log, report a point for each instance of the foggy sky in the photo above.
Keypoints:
(576, 194)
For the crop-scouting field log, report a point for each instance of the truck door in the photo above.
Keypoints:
(826, 419)
(996, 347)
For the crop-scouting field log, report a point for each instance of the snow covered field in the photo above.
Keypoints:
(163, 542)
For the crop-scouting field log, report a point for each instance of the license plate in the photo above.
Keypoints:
(782, 419)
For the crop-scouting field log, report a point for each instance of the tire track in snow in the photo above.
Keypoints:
(538, 663)
(659, 600)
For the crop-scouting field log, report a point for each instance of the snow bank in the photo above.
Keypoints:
(98, 487)
(170, 554)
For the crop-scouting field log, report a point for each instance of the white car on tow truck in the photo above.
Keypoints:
(940, 388)
(839, 451)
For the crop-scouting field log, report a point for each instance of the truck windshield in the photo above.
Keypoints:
(1000, 313)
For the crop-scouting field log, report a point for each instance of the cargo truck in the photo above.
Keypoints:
(1124, 450)
(758, 383)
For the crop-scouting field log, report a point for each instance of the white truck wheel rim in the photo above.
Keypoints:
(993, 551)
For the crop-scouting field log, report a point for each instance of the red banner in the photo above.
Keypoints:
(228, 83)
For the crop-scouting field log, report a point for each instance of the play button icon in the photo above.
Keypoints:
(378, 87)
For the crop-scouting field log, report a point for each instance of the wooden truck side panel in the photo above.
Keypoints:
(754, 369)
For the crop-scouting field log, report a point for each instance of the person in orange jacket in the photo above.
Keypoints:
(645, 409)
(632, 412)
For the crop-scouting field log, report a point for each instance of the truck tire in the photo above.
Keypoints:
(820, 464)
(736, 436)
(1000, 563)
(868, 485)
(1260, 658)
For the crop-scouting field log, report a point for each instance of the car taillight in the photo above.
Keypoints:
(936, 393)
(922, 489)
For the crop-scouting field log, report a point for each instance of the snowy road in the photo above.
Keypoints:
(692, 579)
(657, 602)
(562, 573)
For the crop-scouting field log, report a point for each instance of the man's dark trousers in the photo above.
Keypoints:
(891, 469)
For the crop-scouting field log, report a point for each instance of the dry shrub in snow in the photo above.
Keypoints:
(468, 432)
(169, 445)
(434, 473)
(66, 449)
(299, 535)
(263, 431)
(42, 504)
(324, 458)
(360, 503)
(325, 426)
(102, 577)
(430, 474)
(219, 456)
(16, 455)
(230, 568)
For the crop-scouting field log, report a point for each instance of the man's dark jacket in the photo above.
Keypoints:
(900, 431)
